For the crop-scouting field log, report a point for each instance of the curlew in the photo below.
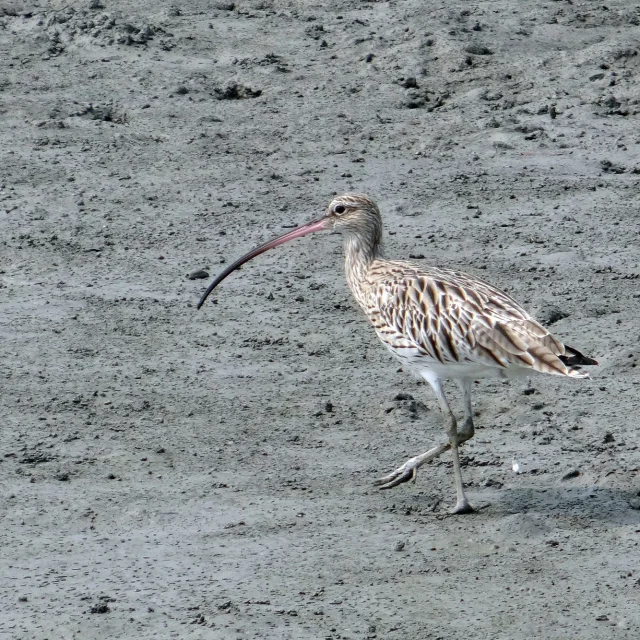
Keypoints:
(441, 324)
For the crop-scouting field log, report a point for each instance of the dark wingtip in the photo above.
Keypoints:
(576, 359)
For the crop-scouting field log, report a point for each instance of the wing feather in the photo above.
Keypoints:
(453, 317)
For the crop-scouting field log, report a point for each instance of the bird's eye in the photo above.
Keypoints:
(339, 209)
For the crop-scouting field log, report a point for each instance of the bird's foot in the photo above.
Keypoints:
(409, 470)
(462, 506)
(404, 473)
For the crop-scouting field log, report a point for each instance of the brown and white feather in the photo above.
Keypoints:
(439, 319)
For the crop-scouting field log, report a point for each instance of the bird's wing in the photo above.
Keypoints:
(453, 317)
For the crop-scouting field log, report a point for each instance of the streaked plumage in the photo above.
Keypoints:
(456, 324)
(443, 324)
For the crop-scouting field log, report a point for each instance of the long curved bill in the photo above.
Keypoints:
(311, 227)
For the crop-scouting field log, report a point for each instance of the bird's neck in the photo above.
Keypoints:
(360, 251)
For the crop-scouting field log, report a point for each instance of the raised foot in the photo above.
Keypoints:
(404, 473)
(461, 507)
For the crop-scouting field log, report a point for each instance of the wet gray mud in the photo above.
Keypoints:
(167, 473)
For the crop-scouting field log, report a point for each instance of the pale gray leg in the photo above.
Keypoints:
(462, 504)
(409, 469)
(467, 430)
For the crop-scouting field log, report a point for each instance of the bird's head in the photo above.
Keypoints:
(352, 213)
(349, 214)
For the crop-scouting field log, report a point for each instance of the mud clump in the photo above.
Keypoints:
(236, 91)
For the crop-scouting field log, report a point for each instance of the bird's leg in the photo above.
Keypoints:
(409, 469)
(462, 504)
(467, 430)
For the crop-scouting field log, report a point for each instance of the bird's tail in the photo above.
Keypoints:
(574, 360)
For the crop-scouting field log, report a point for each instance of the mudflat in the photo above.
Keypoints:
(173, 473)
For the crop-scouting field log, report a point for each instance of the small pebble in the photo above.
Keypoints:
(200, 274)
(478, 50)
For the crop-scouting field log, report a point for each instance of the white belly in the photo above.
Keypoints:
(430, 368)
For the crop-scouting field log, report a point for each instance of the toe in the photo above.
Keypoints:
(382, 481)
(397, 477)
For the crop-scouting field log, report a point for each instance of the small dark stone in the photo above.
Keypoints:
(478, 50)
(492, 482)
(491, 96)
(181, 90)
(608, 438)
(611, 167)
(235, 91)
(571, 474)
(200, 274)
(399, 546)
(100, 607)
(549, 314)
(403, 396)
(62, 477)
